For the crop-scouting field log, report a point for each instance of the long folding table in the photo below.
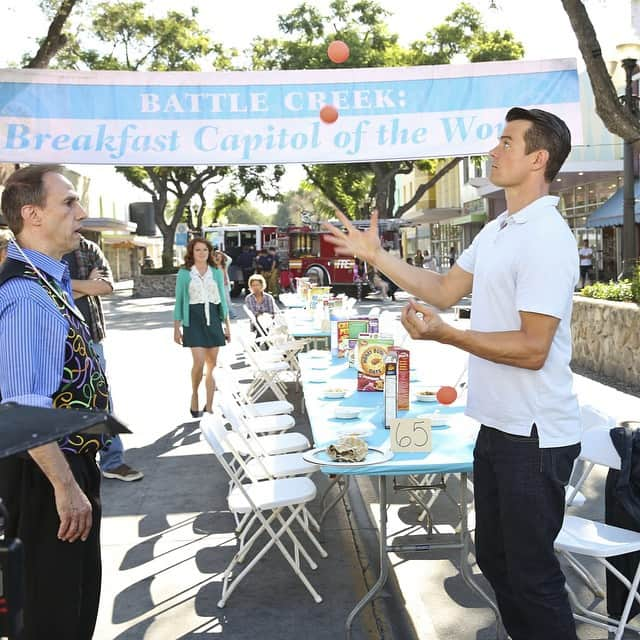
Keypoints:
(452, 453)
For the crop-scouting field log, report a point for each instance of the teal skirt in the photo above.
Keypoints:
(198, 333)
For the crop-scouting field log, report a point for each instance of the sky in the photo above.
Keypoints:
(542, 26)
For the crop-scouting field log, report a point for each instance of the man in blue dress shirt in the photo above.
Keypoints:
(52, 494)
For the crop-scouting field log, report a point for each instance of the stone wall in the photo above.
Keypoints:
(606, 338)
(151, 286)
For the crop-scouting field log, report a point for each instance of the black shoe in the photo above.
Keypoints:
(195, 414)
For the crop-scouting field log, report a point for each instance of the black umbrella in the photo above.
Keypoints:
(23, 427)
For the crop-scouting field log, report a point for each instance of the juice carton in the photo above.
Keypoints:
(371, 350)
(404, 375)
(390, 388)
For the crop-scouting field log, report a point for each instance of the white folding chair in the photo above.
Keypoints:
(262, 466)
(590, 418)
(585, 537)
(260, 425)
(266, 372)
(270, 444)
(266, 503)
(228, 382)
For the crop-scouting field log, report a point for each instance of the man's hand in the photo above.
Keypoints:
(73, 506)
(422, 323)
(74, 511)
(351, 242)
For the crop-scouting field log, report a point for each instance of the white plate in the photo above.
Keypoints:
(332, 395)
(438, 420)
(317, 353)
(320, 456)
(432, 398)
(318, 380)
(360, 430)
(346, 413)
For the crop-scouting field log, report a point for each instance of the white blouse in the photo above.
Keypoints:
(203, 290)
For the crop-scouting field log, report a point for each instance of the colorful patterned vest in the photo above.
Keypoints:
(83, 385)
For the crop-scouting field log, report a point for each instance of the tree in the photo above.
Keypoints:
(307, 32)
(56, 37)
(246, 213)
(132, 40)
(615, 116)
(463, 32)
(294, 203)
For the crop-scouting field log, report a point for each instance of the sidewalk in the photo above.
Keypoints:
(167, 539)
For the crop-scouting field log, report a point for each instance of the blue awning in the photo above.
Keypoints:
(609, 213)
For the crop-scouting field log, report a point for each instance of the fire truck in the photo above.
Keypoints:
(304, 251)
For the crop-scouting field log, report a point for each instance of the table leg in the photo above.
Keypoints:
(384, 560)
(334, 502)
(465, 567)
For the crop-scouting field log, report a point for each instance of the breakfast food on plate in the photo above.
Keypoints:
(427, 394)
(348, 449)
(334, 390)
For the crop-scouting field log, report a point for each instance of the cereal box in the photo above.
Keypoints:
(403, 376)
(345, 332)
(370, 354)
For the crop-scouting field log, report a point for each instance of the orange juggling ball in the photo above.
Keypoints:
(328, 114)
(446, 395)
(338, 52)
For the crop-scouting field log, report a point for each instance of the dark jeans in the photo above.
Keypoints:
(519, 500)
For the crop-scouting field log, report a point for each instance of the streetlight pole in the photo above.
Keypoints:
(629, 250)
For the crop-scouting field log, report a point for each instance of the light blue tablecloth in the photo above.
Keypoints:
(291, 300)
(452, 446)
(301, 325)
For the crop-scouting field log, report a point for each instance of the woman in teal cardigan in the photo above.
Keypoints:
(198, 317)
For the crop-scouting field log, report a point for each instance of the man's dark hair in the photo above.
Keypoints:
(25, 186)
(548, 132)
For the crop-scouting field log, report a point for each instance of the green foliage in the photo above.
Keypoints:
(622, 291)
(246, 213)
(158, 271)
(635, 283)
(308, 32)
(305, 198)
(131, 40)
(494, 45)
(463, 32)
(347, 186)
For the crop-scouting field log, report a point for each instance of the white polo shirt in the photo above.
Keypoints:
(529, 265)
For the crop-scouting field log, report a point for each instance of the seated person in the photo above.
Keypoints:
(259, 301)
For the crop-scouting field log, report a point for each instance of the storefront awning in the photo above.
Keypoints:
(430, 216)
(109, 225)
(609, 213)
(131, 241)
(470, 217)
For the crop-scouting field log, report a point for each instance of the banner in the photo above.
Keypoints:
(232, 118)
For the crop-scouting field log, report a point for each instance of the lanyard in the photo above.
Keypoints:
(58, 294)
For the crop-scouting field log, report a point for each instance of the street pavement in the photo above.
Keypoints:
(167, 539)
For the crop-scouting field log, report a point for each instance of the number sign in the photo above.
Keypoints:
(410, 435)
